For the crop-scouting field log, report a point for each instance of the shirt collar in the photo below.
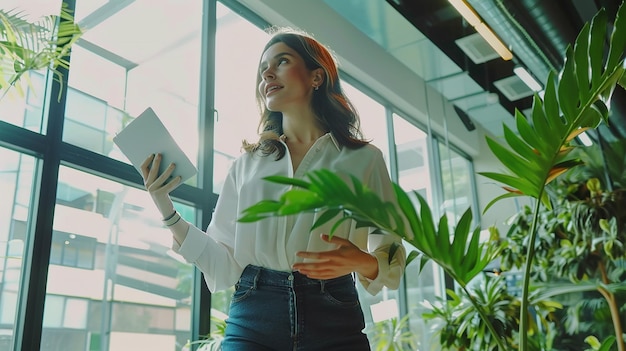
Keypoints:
(334, 140)
(327, 135)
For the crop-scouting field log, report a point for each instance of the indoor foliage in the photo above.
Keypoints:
(581, 246)
(576, 99)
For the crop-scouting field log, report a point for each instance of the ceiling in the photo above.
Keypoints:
(431, 38)
(536, 31)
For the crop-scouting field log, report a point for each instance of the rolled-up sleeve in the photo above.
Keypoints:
(389, 272)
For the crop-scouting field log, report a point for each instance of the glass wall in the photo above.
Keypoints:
(121, 68)
(239, 45)
(17, 186)
(415, 176)
(112, 281)
(457, 184)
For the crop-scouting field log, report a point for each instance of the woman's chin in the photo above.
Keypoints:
(272, 106)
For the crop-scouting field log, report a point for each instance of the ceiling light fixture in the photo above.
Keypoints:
(472, 18)
(527, 78)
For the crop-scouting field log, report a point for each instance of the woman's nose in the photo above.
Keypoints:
(267, 74)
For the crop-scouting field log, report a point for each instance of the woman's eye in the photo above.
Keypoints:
(282, 60)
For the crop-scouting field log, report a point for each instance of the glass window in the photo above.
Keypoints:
(239, 45)
(17, 173)
(414, 175)
(112, 272)
(413, 157)
(457, 186)
(22, 104)
(373, 118)
(120, 68)
(237, 115)
(25, 110)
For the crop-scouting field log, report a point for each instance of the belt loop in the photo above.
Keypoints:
(322, 282)
(256, 278)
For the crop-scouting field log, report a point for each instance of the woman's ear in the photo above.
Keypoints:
(318, 77)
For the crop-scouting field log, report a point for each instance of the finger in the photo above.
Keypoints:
(164, 183)
(167, 173)
(321, 274)
(171, 185)
(311, 266)
(154, 169)
(336, 240)
(310, 254)
(145, 166)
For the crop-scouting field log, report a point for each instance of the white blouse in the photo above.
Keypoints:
(228, 246)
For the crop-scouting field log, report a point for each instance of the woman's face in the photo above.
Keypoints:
(286, 83)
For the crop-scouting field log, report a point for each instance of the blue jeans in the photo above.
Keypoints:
(273, 310)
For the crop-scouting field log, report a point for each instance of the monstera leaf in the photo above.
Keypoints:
(575, 100)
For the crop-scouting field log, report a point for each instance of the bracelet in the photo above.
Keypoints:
(176, 221)
(169, 217)
(171, 220)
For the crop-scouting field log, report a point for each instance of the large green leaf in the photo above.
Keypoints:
(326, 192)
(570, 103)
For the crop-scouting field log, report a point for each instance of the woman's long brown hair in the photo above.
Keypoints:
(334, 112)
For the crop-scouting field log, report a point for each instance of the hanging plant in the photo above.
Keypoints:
(32, 46)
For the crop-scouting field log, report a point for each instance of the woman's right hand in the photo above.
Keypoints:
(157, 185)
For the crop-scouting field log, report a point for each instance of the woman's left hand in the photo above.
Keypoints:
(345, 259)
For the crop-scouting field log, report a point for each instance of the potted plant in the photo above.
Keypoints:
(575, 100)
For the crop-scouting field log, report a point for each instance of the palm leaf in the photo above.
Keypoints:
(326, 192)
(27, 47)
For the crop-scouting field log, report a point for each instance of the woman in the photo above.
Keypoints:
(294, 287)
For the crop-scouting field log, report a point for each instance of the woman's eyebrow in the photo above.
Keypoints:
(277, 56)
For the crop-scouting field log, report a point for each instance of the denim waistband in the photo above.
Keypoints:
(259, 276)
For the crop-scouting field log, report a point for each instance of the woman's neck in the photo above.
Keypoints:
(302, 129)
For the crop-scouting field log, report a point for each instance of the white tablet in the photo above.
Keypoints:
(147, 135)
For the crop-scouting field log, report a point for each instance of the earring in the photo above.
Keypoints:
(317, 87)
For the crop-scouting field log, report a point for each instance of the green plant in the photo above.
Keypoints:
(26, 46)
(463, 258)
(393, 335)
(213, 341)
(459, 327)
(575, 100)
(580, 251)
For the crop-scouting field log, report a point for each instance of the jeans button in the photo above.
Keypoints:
(290, 277)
